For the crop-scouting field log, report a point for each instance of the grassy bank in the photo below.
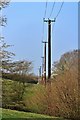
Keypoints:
(10, 114)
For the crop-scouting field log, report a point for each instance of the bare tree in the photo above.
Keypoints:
(67, 62)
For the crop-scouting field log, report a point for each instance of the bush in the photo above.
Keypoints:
(20, 78)
(12, 94)
(60, 98)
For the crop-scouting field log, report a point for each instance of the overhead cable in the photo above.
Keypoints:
(59, 10)
(52, 9)
(45, 9)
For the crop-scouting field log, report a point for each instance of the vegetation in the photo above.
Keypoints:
(61, 95)
(60, 98)
(6, 113)
(20, 78)
(4, 3)
(13, 93)
(20, 91)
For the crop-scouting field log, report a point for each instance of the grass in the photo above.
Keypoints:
(10, 114)
(30, 91)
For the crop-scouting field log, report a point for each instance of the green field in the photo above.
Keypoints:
(10, 114)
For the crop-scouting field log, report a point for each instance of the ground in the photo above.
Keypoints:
(9, 114)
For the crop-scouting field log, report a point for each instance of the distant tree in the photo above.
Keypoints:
(21, 67)
(5, 55)
(4, 3)
(68, 61)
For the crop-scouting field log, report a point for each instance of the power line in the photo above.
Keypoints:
(43, 30)
(45, 9)
(52, 9)
(43, 20)
(59, 10)
(57, 15)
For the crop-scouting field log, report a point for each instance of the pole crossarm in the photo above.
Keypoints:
(44, 42)
(47, 20)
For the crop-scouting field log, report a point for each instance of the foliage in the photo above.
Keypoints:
(13, 94)
(4, 3)
(5, 56)
(61, 96)
(58, 98)
(67, 61)
(20, 78)
(20, 67)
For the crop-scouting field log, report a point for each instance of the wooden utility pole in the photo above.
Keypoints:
(44, 62)
(40, 72)
(42, 68)
(49, 46)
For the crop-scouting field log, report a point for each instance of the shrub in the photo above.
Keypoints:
(60, 98)
(20, 78)
(12, 94)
